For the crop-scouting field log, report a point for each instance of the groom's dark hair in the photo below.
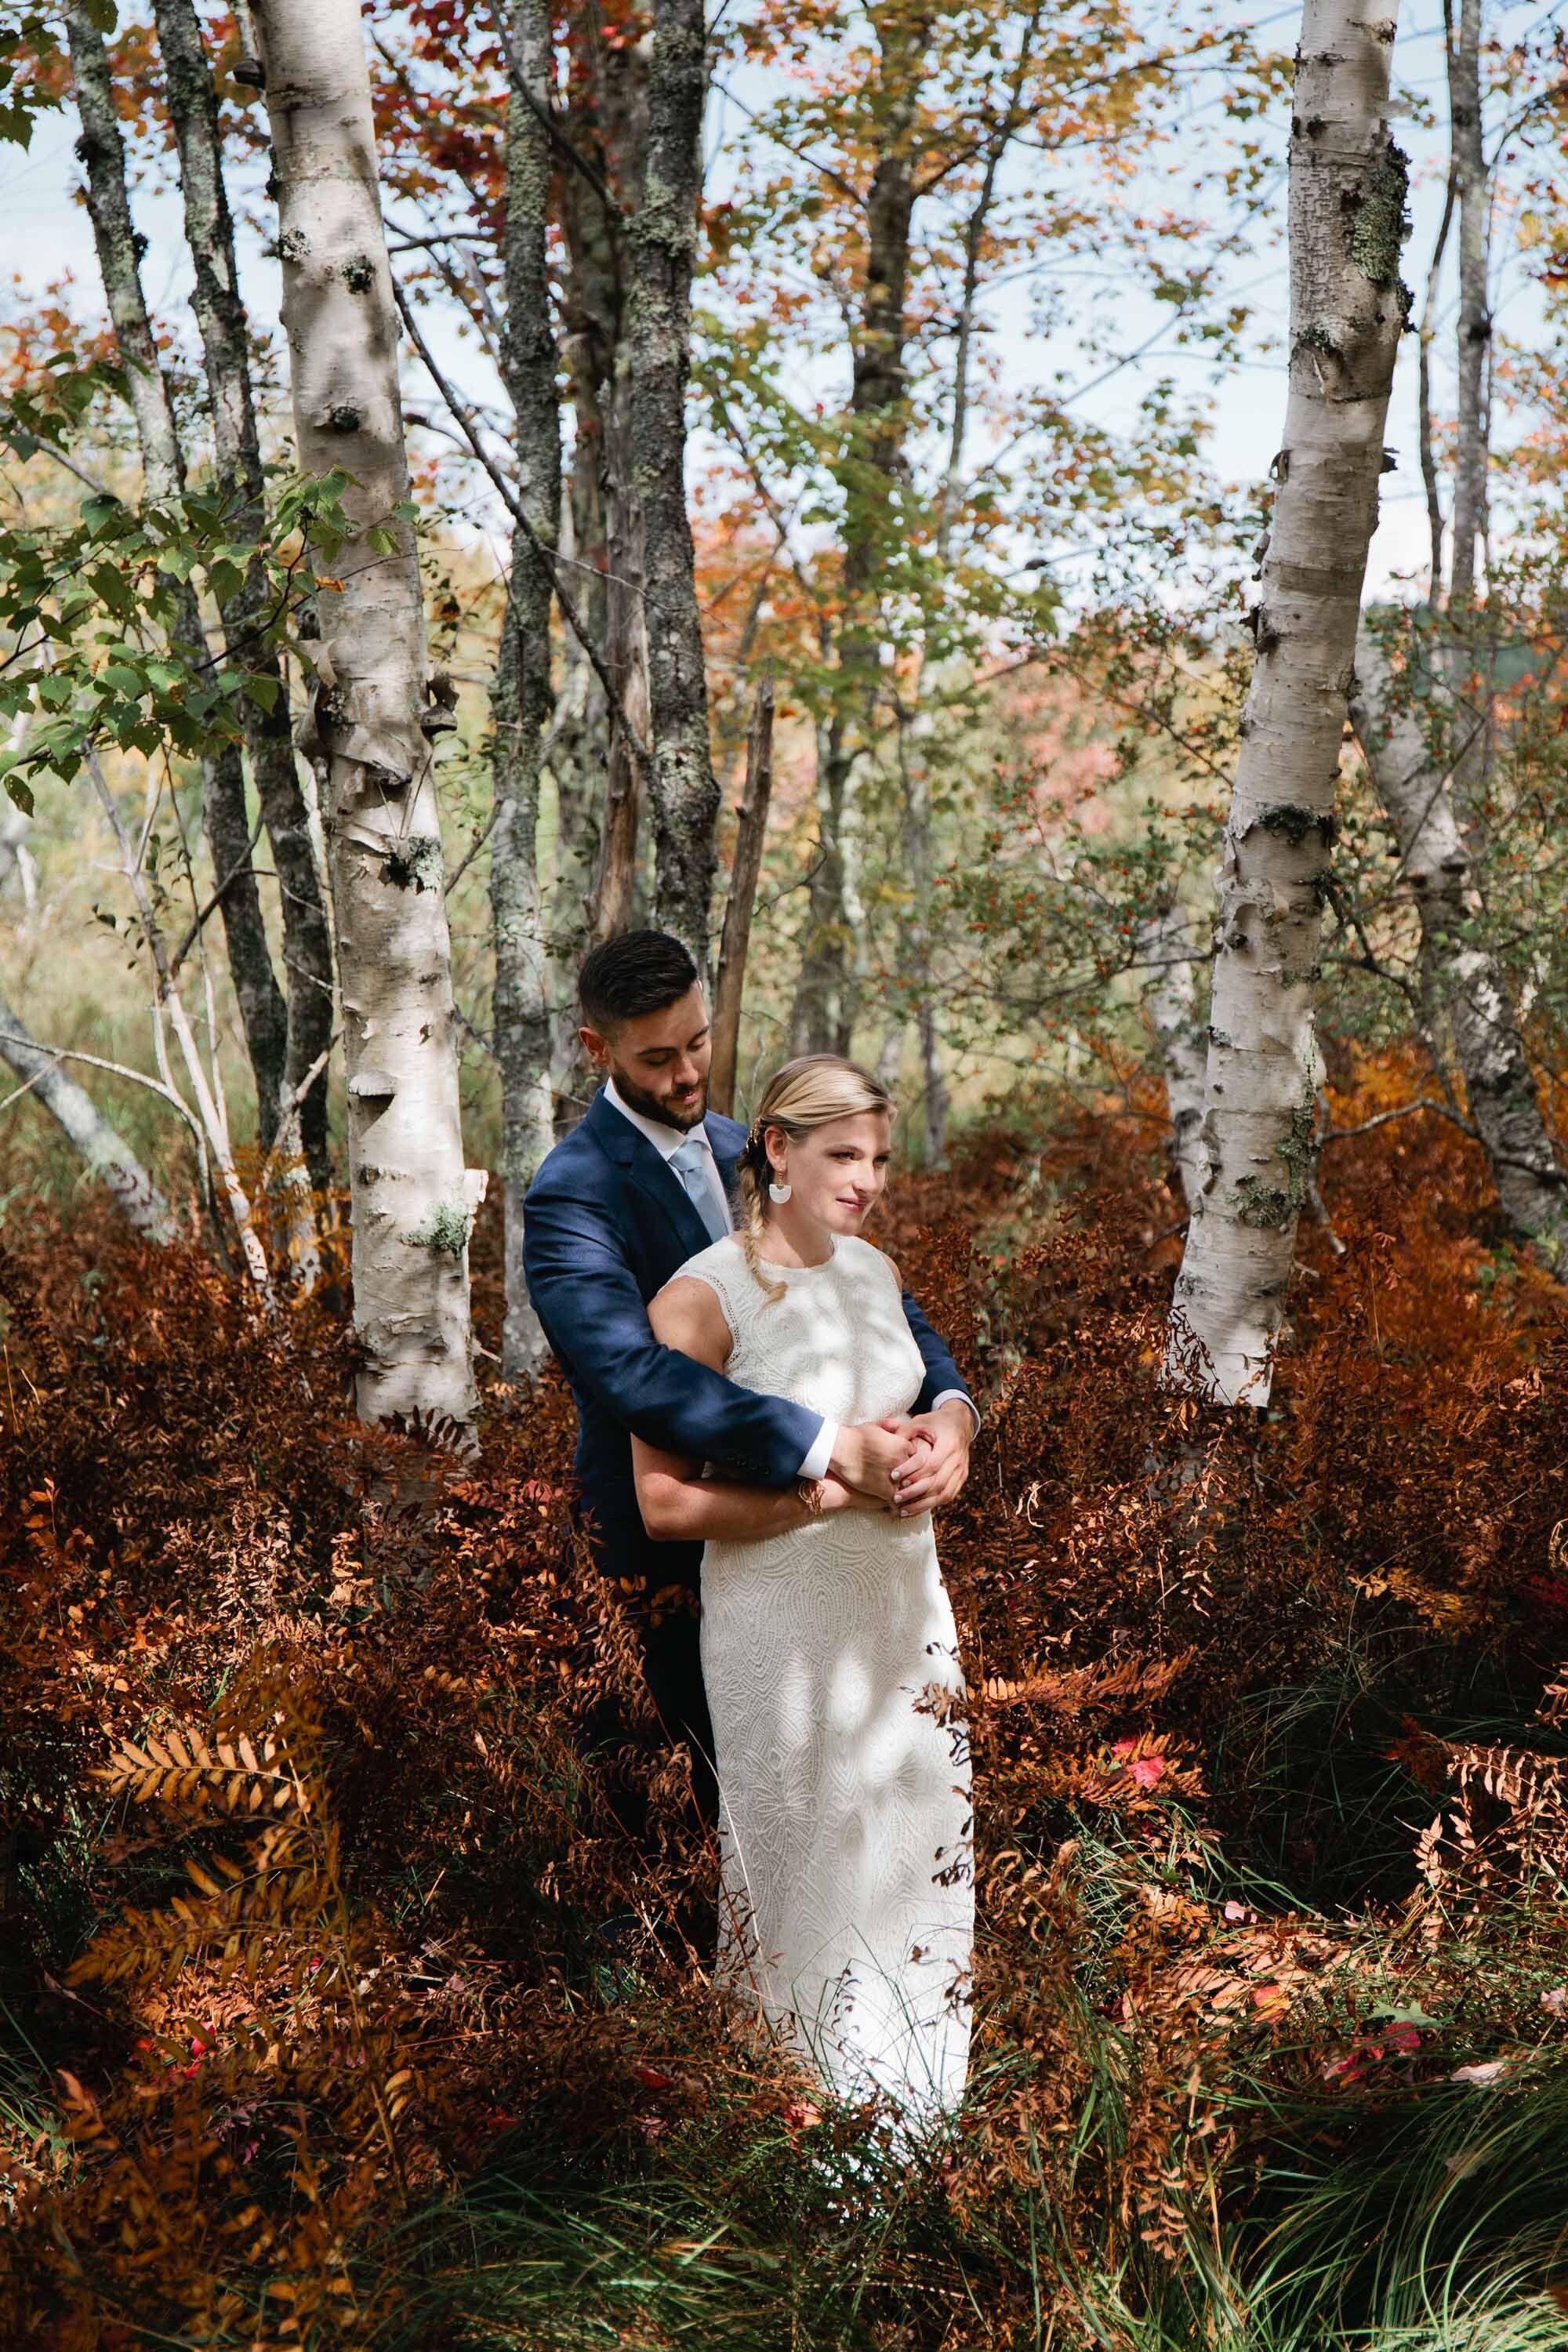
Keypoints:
(633, 973)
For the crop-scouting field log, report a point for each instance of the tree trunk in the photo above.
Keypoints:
(261, 1008)
(626, 659)
(824, 1016)
(915, 980)
(576, 757)
(522, 705)
(220, 317)
(412, 1201)
(1347, 311)
(597, 777)
(663, 245)
(1462, 979)
(1474, 326)
(750, 835)
(1170, 1002)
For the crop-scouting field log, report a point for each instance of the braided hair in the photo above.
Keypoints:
(806, 1094)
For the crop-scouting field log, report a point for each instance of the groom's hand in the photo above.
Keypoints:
(866, 1453)
(935, 1466)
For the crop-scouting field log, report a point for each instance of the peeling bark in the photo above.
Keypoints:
(662, 243)
(262, 1013)
(269, 735)
(523, 695)
(412, 1200)
(1348, 310)
(1463, 981)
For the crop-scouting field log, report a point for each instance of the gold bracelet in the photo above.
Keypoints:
(811, 1492)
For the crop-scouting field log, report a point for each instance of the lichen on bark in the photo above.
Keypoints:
(447, 1230)
(416, 863)
(1380, 224)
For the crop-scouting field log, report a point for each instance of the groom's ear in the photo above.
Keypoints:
(598, 1048)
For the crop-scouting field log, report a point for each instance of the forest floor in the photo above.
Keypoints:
(355, 1929)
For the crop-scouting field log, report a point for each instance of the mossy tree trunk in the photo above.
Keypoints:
(1348, 310)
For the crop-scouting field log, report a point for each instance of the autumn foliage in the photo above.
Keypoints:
(345, 1879)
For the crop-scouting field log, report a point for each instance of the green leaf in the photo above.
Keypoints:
(1407, 2012)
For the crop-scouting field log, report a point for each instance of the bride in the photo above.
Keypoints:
(847, 1895)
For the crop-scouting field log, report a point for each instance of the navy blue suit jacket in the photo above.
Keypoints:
(606, 1222)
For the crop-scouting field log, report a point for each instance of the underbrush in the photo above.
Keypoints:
(354, 1974)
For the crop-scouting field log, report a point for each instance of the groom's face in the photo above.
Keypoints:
(660, 1060)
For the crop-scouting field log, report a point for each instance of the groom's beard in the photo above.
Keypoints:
(683, 1116)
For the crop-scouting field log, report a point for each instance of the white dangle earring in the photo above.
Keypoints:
(779, 1193)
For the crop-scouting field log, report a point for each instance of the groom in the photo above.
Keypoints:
(639, 1187)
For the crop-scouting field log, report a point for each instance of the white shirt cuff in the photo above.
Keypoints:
(816, 1464)
(947, 1397)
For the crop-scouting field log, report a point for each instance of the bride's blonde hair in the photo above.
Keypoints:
(806, 1094)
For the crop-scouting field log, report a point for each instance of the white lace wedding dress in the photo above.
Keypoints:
(848, 1903)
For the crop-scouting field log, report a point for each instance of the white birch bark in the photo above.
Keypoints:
(1170, 1003)
(1347, 312)
(1462, 979)
(412, 1201)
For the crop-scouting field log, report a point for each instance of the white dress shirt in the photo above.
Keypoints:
(667, 1142)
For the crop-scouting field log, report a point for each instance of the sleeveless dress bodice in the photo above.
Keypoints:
(847, 1912)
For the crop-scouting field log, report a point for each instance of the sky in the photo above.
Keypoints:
(51, 241)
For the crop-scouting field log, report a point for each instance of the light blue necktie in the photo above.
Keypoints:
(693, 1164)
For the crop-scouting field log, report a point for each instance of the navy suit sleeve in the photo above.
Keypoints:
(942, 1372)
(587, 1299)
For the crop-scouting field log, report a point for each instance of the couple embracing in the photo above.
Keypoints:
(766, 1423)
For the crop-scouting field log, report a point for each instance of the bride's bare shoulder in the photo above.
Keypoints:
(688, 1314)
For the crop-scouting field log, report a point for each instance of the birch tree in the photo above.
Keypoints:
(1171, 1008)
(262, 1011)
(1348, 310)
(105, 1157)
(412, 1201)
(268, 737)
(1431, 777)
(1464, 986)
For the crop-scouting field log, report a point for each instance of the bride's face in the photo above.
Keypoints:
(837, 1172)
